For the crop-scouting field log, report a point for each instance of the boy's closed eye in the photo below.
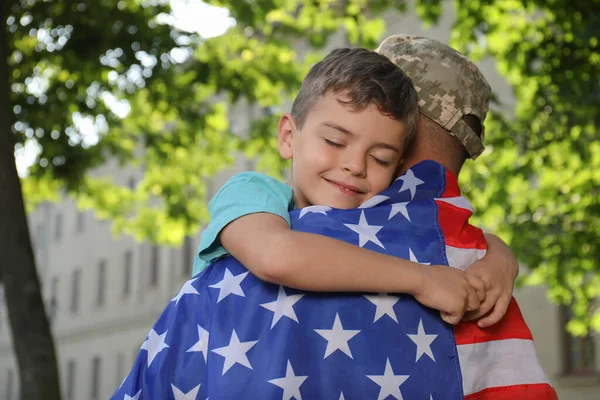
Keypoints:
(333, 144)
(384, 157)
(381, 162)
(378, 160)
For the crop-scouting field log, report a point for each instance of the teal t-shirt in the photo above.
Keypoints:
(243, 194)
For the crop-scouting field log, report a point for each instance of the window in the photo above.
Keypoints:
(80, 221)
(9, 384)
(154, 254)
(53, 298)
(128, 258)
(75, 290)
(95, 388)
(579, 351)
(70, 394)
(100, 296)
(58, 222)
(187, 257)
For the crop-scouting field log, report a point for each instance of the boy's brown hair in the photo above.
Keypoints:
(367, 78)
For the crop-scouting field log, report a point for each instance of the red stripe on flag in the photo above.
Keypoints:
(511, 326)
(539, 391)
(475, 343)
(451, 189)
(457, 231)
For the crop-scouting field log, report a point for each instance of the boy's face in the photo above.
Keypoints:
(341, 158)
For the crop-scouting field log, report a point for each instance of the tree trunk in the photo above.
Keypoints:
(32, 339)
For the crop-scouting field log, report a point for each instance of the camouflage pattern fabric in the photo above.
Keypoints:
(449, 86)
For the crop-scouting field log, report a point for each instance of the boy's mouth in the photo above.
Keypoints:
(345, 188)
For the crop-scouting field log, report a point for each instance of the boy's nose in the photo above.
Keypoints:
(357, 166)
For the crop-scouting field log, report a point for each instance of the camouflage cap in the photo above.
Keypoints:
(449, 86)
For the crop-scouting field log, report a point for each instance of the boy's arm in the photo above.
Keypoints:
(498, 269)
(266, 245)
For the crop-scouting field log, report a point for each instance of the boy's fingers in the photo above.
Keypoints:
(481, 294)
(496, 315)
(450, 318)
(484, 308)
(478, 284)
(473, 301)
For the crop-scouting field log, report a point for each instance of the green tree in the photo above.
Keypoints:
(539, 185)
(62, 62)
(54, 60)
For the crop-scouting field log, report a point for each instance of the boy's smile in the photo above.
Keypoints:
(341, 157)
(346, 188)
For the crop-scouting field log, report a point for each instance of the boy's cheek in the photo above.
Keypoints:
(323, 157)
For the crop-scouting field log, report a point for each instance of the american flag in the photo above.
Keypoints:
(229, 335)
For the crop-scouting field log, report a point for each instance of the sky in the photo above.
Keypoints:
(197, 16)
(188, 15)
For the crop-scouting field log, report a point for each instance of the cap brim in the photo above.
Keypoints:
(469, 140)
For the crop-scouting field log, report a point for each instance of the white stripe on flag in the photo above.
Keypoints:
(458, 201)
(463, 258)
(499, 363)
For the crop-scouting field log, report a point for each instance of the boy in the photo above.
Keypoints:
(352, 120)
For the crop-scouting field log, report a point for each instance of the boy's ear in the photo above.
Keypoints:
(285, 133)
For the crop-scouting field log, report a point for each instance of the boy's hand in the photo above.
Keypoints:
(451, 291)
(498, 270)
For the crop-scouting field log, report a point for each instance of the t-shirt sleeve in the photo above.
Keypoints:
(243, 194)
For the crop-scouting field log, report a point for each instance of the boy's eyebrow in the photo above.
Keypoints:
(339, 128)
(350, 133)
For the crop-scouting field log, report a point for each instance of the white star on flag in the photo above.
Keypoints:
(201, 346)
(366, 233)
(423, 342)
(283, 306)
(290, 383)
(186, 289)
(314, 209)
(399, 208)
(235, 352)
(384, 305)
(389, 383)
(337, 338)
(230, 285)
(179, 395)
(135, 397)
(413, 258)
(373, 201)
(410, 183)
(154, 344)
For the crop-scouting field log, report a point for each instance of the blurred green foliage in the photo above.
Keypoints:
(537, 185)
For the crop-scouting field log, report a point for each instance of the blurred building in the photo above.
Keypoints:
(103, 293)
